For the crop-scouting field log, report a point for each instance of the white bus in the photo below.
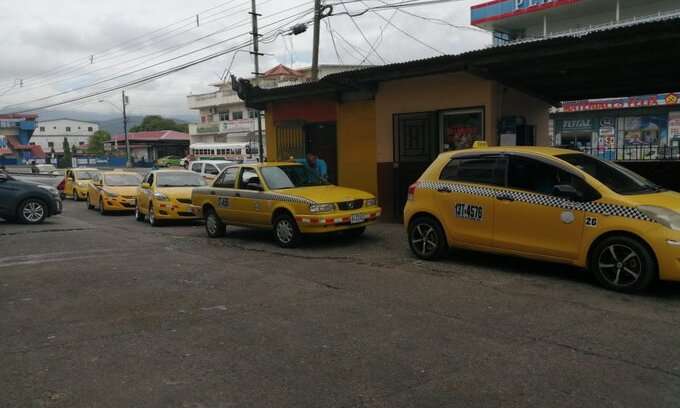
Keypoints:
(246, 152)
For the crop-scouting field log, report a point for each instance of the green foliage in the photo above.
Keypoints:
(95, 144)
(68, 156)
(157, 122)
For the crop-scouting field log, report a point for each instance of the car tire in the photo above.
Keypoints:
(89, 203)
(32, 211)
(623, 264)
(214, 226)
(75, 195)
(427, 239)
(354, 232)
(139, 216)
(153, 221)
(101, 208)
(286, 232)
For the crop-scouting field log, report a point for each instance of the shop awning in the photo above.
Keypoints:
(635, 59)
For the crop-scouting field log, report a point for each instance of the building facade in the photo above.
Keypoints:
(15, 132)
(645, 127)
(50, 134)
(146, 147)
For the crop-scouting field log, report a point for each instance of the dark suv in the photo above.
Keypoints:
(26, 202)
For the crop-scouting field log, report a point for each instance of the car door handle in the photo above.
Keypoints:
(237, 195)
(444, 190)
(504, 197)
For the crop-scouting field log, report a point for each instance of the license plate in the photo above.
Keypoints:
(358, 218)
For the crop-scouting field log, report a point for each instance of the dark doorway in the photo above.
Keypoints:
(416, 145)
(321, 140)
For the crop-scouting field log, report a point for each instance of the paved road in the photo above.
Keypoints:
(108, 312)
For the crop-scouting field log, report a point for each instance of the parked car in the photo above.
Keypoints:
(548, 204)
(209, 169)
(287, 198)
(169, 161)
(166, 195)
(48, 169)
(113, 191)
(77, 181)
(26, 202)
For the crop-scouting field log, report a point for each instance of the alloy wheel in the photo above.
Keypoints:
(424, 240)
(620, 265)
(33, 211)
(211, 224)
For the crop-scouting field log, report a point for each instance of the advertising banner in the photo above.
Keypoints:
(462, 129)
(665, 99)
(4, 148)
(674, 126)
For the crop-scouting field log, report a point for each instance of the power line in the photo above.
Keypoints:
(335, 47)
(354, 48)
(378, 39)
(364, 36)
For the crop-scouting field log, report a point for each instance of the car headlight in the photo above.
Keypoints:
(160, 197)
(317, 208)
(371, 202)
(110, 193)
(664, 216)
(50, 189)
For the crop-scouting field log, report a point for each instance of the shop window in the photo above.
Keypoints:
(237, 115)
(461, 128)
(478, 170)
(224, 115)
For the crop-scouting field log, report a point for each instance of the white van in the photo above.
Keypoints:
(209, 169)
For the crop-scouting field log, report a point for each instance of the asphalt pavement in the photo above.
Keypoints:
(103, 311)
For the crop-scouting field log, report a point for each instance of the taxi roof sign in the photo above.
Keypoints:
(478, 144)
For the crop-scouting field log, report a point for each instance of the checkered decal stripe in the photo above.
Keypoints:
(538, 199)
(288, 198)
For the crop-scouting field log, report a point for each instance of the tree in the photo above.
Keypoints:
(95, 144)
(67, 159)
(157, 122)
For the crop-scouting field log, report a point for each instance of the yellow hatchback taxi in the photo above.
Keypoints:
(166, 195)
(288, 198)
(548, 204)
(113, 191)
(77, 181)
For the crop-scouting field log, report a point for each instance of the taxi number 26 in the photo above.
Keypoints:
(469, 212)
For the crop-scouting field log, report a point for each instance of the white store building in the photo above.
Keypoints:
(50, 134)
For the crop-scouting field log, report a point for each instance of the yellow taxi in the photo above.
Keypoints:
(288, 198)
(166, 195)
(548, 204)
(77, 181)
(113, 191)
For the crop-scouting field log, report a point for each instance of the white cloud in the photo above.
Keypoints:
(46, 34)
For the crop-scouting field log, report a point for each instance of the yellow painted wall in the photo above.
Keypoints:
(430, 93)
(271, 134)
(357, 146)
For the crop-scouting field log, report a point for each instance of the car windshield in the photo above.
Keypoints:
(122, 179)
(619, 179)
(180, 179)
(85, 175)
(280, 177)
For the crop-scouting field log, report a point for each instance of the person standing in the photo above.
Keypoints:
(319, 166)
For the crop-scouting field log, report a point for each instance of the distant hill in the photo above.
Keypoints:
(112, 123)
(115, 126)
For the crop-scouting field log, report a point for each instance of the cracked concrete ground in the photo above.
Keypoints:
(102, 311)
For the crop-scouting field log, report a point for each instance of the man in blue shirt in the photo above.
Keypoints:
(317, 165)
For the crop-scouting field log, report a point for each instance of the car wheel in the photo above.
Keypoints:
(286, 231)
(214, 225)
(138, 214)
(152, 217)
(89, 203)
(101, 208)
(354, 232)
(32, 211)
(426, 238)
(75, 195)
(623, 264)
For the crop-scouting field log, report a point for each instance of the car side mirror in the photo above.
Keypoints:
(146, 185)
(567, 191)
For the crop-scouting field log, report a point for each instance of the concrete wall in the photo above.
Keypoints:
(536, 112)
(356, 139)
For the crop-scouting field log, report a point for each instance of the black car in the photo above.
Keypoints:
(26, 202)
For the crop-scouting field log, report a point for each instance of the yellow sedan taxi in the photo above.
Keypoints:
(286, 197)
(166, 195)
(77, 181)
(548, 204)
(113, 191)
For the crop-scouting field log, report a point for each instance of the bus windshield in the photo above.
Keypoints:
(282, 177)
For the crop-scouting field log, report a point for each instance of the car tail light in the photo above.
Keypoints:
(412, 191)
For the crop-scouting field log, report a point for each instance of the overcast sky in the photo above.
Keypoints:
(47, 45)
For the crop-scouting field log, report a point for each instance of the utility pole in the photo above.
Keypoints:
(125, 129)
(256, 53)
(315, 48)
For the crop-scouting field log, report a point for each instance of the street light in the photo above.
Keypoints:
(124, 112)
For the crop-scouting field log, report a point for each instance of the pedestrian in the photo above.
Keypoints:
(317, 165)
(34, 168)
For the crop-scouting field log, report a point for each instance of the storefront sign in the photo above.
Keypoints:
(208, 128)
(577, 124)
(674, 125)
(4, 148)
(665, 99)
